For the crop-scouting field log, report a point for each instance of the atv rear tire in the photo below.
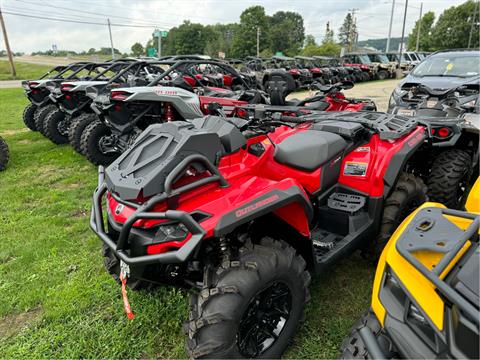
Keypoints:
(29, 116)
(112, 265)
(267, 279)
(54, 127)
(382, 74)
(4, 154)
(409, 193)
(77, 127)
(90, 144)
(353, 346)
(40, 116)
(449, 177)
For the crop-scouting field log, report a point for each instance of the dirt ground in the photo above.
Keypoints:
(378, 91)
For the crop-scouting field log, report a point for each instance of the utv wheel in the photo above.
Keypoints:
(409, 193)
(56, 127)
(40, 116)
(4, 154)
(353, 346)
(382, 75)
(28, 116)
(449, 178)
(77, 127)
(112, 265)
(93, 144)
(251, 307)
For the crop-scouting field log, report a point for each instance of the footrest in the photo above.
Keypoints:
(346, 202)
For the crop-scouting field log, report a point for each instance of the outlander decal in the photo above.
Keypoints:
(246, 210)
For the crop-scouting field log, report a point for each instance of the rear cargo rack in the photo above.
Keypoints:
(388, 126)
(452, 240)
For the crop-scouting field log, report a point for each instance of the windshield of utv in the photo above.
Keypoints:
(463, 65)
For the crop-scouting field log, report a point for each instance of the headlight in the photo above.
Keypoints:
(171, 232)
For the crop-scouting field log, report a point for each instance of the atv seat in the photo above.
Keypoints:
(310, 149)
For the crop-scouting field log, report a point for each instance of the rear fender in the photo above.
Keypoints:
(291, 205)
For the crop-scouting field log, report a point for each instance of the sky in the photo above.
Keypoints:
(28, 34)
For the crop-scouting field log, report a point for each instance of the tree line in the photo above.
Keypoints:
(457, 27)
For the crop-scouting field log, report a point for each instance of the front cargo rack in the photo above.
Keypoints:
(452, 240)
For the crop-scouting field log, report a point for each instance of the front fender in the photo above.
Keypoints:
(290, 204)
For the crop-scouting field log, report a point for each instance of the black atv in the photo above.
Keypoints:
(448, 162)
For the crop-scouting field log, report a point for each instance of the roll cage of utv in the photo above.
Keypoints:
(72, 97)
(172, 95)
(37, 91)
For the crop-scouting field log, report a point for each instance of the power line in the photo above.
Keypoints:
(153, 22)
(76, 21)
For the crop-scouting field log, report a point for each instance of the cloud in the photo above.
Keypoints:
(31, 34)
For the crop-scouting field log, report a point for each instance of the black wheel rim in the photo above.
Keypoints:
(264, 319)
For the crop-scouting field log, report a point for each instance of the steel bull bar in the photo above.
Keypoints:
(120, 248)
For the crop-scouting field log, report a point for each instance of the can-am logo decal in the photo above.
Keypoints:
(119, 209)
(248, 209)
(160, 91)
(415, 140)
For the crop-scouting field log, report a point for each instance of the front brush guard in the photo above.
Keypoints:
(121, 247)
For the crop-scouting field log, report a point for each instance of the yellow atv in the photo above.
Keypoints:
(425, 301)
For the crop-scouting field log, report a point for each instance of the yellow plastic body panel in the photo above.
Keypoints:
(416, 284)
(473, 200)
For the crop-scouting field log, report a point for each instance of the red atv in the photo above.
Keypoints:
(243, 210)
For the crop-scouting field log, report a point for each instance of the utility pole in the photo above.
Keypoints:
(473, 24)
(7, 45)
(390, 27)
(159, 52)
(403, 34)
(258, 41)
(352, 30)
(419, 26)
(111, 40)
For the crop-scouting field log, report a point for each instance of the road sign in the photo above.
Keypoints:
(151, 51)
(158, 33)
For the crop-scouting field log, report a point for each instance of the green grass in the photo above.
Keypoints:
(25, 71)
(56, 299)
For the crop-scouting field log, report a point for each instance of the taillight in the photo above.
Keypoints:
(32, 84)
(119, 95)
(443, 132)
(242, 113)
(66, 87)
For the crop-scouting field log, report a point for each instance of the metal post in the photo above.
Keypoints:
(403, 34)
(390, 27)
(159, 52)
(419, 26)
(473, 24)
(111, 40)
(7, 45)
(258, 41)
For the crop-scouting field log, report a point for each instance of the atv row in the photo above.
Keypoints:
(60, 108)
(101, 115)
